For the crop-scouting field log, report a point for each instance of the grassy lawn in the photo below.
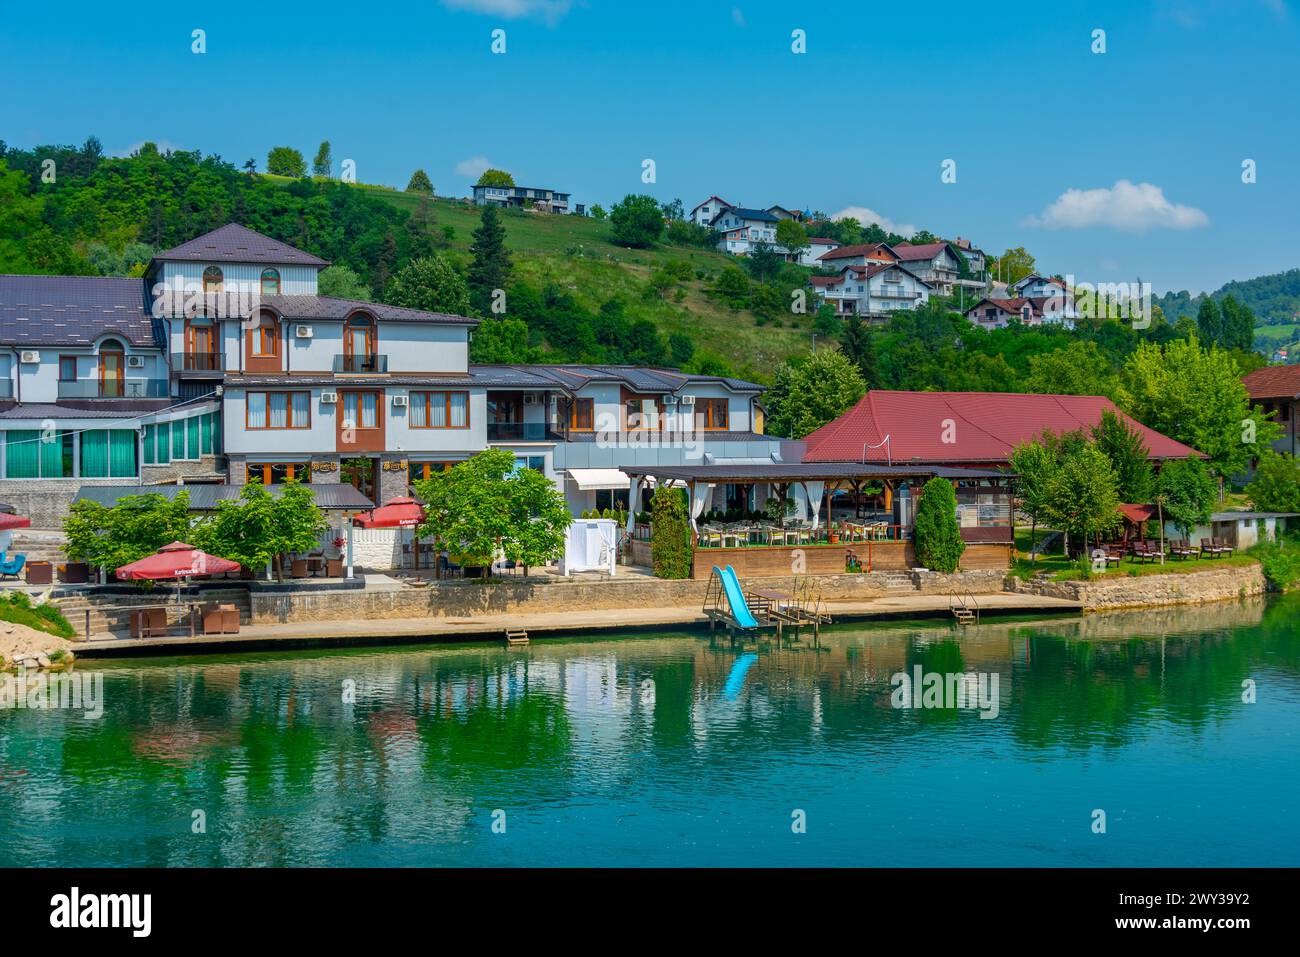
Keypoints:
(1062, 569)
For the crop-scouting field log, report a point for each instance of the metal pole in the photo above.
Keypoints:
(348, 574)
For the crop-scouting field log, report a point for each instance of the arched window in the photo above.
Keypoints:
(212, 279)
(270, 282)
(112, 369)
(359, 344)
(266, 336)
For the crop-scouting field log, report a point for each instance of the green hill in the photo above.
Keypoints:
(1275, 299)
(107, 216)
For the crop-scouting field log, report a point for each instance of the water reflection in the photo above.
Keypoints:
(675, 749)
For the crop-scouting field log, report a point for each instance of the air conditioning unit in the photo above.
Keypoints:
(688, 400)
(29, 355)
(302, 332)
(135, 362)
(399, 401)
(530, 398)
(329, 396)
(670, 399)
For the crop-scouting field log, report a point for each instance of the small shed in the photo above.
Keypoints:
(1241, 529)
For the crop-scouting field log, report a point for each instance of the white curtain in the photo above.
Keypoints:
(815, 490)
(701, 495)
(634, 503)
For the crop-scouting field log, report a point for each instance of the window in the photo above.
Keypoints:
(277, 473)
(535, 462)
(581, 413)
(67, 368)
(358, 343)
(614, 499)
(640, 413)
(108, 453)
(422, 471)
(112, 370)
(278, 410)
(439, 410)
(711, 413)
(270, 282)
(200, 344)
(158, 444)
(212, 279)
(265, 338)
(30, 454)
(361, 410)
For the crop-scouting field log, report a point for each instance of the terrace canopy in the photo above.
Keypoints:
(815, 479)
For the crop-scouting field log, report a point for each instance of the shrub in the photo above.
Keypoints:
(938, 539)
(1280, 561)
(18, 608)
(670, 548)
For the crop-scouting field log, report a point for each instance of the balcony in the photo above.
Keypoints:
(125, 388)
(360, 364)
(520, 432)
(211, 363)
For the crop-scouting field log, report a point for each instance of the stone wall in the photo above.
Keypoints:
(465, 599)
(1126, 591)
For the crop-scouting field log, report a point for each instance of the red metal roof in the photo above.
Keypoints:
(853, 252)
(1273, 382)
(907, 252)
(953, 427)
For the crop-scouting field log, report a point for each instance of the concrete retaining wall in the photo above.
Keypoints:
(1145, 590)
(465, 599)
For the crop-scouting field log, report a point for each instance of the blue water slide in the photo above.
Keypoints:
(735, 597)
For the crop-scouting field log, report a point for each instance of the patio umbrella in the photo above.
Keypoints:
(401, 512)
(9, 522)
(396, 513)
(178, 561)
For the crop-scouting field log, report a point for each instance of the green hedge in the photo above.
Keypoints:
(670, 546)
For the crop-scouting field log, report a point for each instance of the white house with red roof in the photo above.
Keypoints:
(860, 254)
(874, 291)
(998, 312)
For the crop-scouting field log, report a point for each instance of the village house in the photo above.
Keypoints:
(1276, 390)
(742, 229)
(522, 197)
(818, 246)
(873, 291)
(706, 212)
(266, 380)
(867, 254)
(936, 263)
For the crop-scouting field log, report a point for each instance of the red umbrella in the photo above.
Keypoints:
(176, 560)
(9, 522)
(398, 513)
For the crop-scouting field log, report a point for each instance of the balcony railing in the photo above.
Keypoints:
(520, 432)
(361, 364)
(199, 361)
(125, 388)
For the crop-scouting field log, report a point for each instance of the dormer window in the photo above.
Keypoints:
(212, 279)
(270, 282)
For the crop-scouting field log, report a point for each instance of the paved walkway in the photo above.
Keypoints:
(391, 630)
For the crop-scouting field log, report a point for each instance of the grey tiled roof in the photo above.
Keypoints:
(570, 378)
(326, 307)
(102, 409)
(636, 378)
(204, 497)
(235, 243)
(73, 310)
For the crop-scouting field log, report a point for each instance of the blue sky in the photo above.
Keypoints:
(711, 91)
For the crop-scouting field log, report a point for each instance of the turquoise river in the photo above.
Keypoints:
(670, 749)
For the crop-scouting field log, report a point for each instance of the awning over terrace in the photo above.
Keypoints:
(814, 480)
(589, 480)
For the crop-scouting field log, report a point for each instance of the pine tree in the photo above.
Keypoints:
(489, 268)
(419, 183)
(856, 343)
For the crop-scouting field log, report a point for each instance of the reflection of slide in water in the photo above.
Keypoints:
(736, 679)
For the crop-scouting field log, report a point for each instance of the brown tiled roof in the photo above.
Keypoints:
(235, 243)
(73, 310)
(327, 307)
(1273, 382)
(853, 252)
(910, 253)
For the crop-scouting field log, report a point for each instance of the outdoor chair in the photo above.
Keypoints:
(298, 568)
(1207, 548)
(1222, 546)
(10, 567)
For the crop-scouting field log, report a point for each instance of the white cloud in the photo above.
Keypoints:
(867, 216)
(1126, 206)
(548, 10)
(737, 16)
(473, 168)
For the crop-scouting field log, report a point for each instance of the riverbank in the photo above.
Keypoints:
(493, 627)
(1190, 587)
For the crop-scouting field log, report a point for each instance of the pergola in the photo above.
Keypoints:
(818, 480)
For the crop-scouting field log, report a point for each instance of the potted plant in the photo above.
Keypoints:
(833, 533)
